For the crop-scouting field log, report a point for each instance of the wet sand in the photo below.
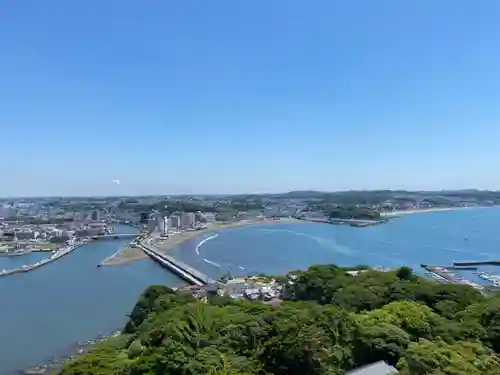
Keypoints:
(125, 255)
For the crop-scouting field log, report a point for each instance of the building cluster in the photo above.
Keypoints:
(250, 288)
(176, 222)
(19, 236)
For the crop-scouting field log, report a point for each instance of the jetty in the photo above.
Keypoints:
(31, 267)
(181, 269)
(477, 263)
(457, 268)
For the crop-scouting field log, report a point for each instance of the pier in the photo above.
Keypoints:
(188, 273)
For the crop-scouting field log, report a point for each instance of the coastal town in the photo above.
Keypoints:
(56, 226)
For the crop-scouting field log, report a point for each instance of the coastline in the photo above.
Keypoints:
(125, 255)
(129, 254)
(57, 362)
(424, 210)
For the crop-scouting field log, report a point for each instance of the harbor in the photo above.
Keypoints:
(446, 275)
(58, 253)
(493, 279)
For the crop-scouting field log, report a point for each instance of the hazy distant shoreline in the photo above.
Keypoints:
(423, 210)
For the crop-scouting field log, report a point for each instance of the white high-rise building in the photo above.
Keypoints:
(161, 225)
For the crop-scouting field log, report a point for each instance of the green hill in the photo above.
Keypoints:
(331, 322)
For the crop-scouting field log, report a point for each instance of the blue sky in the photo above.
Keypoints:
(248, 96)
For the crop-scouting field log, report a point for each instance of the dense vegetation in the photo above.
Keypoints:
(353, 212)
(373, 197)
(330, 323)
(168, 206)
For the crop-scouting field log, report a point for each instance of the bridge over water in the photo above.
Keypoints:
(183, 270)
(116, 236)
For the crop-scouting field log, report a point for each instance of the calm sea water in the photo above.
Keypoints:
(45, 311)
(435, 238)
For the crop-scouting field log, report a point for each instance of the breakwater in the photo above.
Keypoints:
(31, 267)
(464, 268)
(15, 253)
(477, 263)
(351, 222)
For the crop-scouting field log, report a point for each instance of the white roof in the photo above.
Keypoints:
(377, 368)
(235, 281)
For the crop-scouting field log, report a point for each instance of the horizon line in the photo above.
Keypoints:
(239, 194)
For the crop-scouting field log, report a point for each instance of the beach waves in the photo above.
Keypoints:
(203, 241)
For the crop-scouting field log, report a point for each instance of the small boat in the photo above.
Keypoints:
(466, 238)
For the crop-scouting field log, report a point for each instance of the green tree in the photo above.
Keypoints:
(439, 358)
(404, 273)
(375, 341)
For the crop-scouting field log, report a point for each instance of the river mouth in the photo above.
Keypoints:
(45, 304)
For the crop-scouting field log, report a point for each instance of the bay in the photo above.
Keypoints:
(46, 311)
(434, 238)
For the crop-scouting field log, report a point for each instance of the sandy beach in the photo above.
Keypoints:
(132, 254)
(126, 255)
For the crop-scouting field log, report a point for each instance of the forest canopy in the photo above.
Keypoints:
(329, 323)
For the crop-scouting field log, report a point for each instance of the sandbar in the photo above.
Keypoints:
(126, 255)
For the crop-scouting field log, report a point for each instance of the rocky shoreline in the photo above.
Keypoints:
(56, 363)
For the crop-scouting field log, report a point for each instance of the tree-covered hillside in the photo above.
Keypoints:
(330, 323)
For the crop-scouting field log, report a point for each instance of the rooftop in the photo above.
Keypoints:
(377, 368)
